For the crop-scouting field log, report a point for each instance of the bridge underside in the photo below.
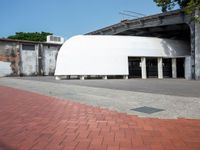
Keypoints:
(178, 32)
(173, 25)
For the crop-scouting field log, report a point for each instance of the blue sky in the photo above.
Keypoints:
(66, 17)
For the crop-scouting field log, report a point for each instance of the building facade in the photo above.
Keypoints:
(107, 56)
(172, 25)
(27, 58)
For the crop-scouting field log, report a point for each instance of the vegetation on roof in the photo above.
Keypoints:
(30, 36)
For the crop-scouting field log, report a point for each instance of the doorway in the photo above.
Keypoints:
(152, 67)
(134, 67)
(167, 67)
(180, 65)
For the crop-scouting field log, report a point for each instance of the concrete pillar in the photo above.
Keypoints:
(125, 77)
(82, 77)
(160, 68)
(192, 45)
(40, 60)
(105, 77)
(143, 68)
(57, 78)
(37, 58)
(197, 47)
(174, 72)
(188, 73)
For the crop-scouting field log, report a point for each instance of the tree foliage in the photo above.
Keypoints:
(30, 36)
(167, 5)
(189, 6)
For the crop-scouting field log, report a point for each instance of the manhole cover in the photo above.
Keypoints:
(147, 110)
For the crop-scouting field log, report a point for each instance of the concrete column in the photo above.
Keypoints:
(105, 77)
(82, 77)
(192, 45)
(125, 77)
(37, 59)
(40, 60)
(174, 72)
(160, 68)
(188, 73)
(143, 68)
(197, 47)
(57, 78)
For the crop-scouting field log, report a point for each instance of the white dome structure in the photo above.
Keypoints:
(108, 55)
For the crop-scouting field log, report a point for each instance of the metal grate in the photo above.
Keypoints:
(147, 110)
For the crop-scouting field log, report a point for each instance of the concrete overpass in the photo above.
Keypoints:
(173, 25)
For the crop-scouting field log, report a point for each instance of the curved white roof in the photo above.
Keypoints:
(108, 55)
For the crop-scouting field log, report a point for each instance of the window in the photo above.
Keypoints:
(51, 47)
(28, 47)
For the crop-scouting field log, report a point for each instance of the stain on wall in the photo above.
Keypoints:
(9, 52)
(49, 59)
(28, 58)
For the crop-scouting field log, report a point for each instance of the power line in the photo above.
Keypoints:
(129, 15)
(132, 12)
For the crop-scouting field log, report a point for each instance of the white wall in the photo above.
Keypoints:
(108, 55)
(49, 60)
(29, 61)
(5, 68)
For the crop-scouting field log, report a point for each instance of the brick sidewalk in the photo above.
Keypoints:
(37, 122)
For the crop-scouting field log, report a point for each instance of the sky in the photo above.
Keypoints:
(66, 17)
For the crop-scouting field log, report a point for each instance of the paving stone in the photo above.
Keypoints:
(34, 121)
(183, 104)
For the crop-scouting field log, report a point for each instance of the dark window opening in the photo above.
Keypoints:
(167, 67)
(134, 67)
(152, 67)
(180, 67)
(28, 47)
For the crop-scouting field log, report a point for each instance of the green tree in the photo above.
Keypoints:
(30, 36)
(189, 6)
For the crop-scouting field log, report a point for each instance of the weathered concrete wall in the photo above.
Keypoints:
(49, 59)
(5, 69)
(188, 73)
(197, 48)
(9, 52)
(28, 60)
(192, 46)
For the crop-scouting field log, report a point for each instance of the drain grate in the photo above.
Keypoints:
(147, 110)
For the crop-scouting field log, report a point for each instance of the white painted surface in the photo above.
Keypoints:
(160, 68)
(188, 74)
(174, 70)
(125, 77)
(55, 39)
(49, 61)
(108, 55)
(143, 68)
(29, 62)
(5, 68)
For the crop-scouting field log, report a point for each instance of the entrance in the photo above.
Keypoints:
(167, 67)
(152, 67)
(134, 67)
(180, 65)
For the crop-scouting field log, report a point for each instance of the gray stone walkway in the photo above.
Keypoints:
(176, 87)
(118, 100)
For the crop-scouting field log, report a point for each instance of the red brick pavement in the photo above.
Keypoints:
(30, 121)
